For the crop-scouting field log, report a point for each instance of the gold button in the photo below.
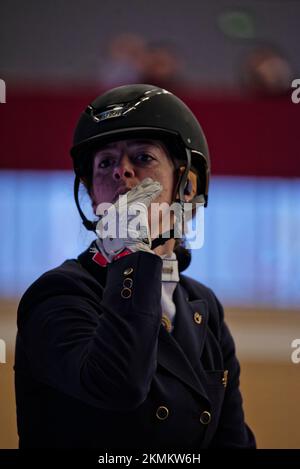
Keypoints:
(197, 317)
(205, 417)
(127, 282)
(166, 323)
(128, 271)
(225, 378)
(126, 293)
(162, 412)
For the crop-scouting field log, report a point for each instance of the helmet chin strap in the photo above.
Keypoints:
(89, 225)
(161, 239)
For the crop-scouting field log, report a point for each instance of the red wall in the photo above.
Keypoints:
(258, 137)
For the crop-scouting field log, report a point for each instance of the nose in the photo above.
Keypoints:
(124, 169)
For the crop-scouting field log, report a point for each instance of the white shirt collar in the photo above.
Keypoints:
(170, 268)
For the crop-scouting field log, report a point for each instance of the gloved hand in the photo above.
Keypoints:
(130, 206)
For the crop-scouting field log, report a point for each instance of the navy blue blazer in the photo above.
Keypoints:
(96, 368)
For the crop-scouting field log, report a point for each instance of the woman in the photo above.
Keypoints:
(117, 348)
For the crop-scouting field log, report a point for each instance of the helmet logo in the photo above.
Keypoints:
(116, 111)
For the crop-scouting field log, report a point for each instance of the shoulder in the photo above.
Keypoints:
(68, 279)
(67, 274)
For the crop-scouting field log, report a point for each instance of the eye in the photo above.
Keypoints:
(144, 158)
(105, 163)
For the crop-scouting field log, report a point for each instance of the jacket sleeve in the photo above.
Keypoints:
(232, 430)
(103, 353)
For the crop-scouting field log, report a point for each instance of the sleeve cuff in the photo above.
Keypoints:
(133, 284)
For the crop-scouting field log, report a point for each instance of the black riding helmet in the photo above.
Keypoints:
(147, 111)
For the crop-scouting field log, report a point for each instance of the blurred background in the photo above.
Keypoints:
(233, 63)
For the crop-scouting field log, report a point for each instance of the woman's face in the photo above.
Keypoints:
(120, 166)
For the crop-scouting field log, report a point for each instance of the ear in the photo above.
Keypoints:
(190, 189)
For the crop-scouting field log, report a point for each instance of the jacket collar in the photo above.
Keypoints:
(88, 260)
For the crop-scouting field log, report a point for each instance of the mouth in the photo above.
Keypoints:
(120, 192)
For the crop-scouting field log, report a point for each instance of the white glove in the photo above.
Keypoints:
(130, 214)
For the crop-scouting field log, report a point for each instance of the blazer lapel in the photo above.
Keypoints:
(190, 326)
(180, 351)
